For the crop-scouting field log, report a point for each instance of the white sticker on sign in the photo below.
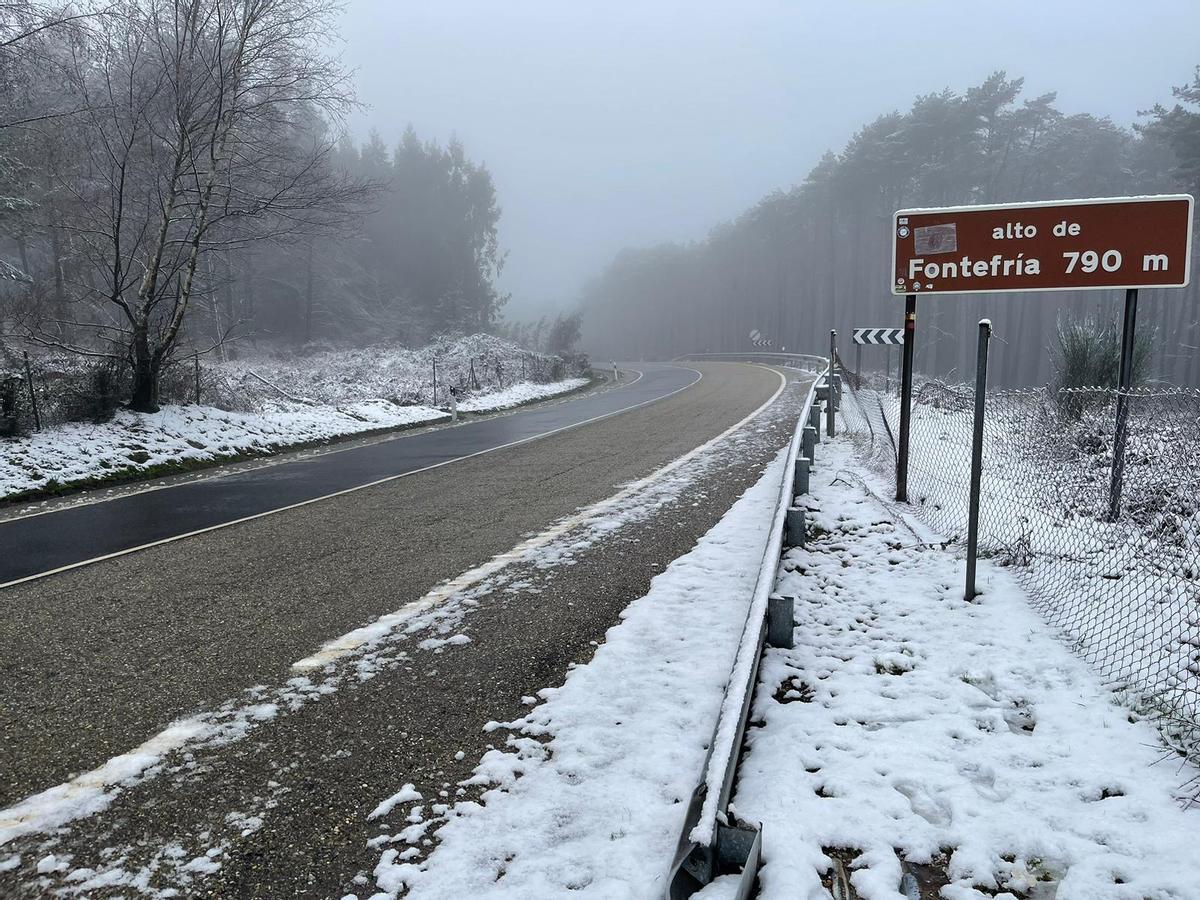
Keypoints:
(935, 239)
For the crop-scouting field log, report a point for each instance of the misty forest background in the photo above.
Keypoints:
(176, 179)
(818, 256)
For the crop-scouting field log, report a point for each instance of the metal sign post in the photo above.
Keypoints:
(981, 361)
(1124, 383)
(910, 343)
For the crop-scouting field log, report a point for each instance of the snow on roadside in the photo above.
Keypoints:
(135, 442)
(963, 736)
(525, 392)
(590, 792)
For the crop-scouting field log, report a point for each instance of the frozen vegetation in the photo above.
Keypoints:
(254, 406)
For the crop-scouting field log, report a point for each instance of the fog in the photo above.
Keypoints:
(609, 125)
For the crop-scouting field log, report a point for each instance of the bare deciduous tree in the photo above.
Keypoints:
(203, 129)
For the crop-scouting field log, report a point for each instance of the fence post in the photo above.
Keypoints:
(1124, 382)
(37, 417)
(981, 362)
(433, 403)
(197, 361)
(831, 401)
(910, 340)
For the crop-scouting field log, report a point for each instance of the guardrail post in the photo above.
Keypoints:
(981, 361)
(800, 481)
(781, 621)
(814, 420)
(795, 528)
(808, 440)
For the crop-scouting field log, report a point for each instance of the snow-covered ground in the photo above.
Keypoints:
(906, 724)
(475, 364)
(589, 793)
(961, 737)
(1121, 592)
(332, 396)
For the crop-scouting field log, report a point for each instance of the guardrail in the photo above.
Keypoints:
(711, 843)
(779, 359)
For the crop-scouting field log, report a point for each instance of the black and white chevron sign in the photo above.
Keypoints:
(758, 339)
(887, 336)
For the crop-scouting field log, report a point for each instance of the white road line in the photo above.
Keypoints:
(90, 792)
(359, 487)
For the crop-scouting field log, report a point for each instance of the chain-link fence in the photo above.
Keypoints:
(1125, 591)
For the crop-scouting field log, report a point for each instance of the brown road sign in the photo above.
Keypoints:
(1116, 242)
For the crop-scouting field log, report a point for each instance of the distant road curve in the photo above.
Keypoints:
(48, 542)
(790, 360)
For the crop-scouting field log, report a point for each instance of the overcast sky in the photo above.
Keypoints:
(617, 123)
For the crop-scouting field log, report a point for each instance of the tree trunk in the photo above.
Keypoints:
(144, 397)
(308, 294)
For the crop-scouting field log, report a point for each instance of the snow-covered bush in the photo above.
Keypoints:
(71, 388)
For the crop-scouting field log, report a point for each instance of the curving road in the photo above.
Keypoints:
(97, 659)
(51, 541)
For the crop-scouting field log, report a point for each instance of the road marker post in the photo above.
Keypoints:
(831, 393)
(875, 337)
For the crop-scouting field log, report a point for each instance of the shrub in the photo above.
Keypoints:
(1088, 355)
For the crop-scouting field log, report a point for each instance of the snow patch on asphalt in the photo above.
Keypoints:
(907, 722)
(588, 795)
(406, 794)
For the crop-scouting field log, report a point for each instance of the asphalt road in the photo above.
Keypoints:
(63, 537)
(97, 659)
